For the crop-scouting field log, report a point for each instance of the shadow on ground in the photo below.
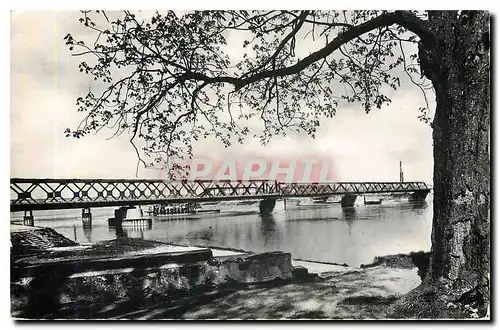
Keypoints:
(352, 295)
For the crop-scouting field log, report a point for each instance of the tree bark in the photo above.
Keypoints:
(458, 64)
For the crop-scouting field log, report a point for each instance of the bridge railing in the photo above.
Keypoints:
(71, 193)
(338, 188)
(60, 191)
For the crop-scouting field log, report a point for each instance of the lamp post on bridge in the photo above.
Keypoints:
(401, 177)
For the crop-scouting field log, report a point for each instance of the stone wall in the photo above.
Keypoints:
(44, 295)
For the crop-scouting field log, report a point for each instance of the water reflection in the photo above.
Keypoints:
(418, 205)
(135, 229)
(267, 227)
(75, 236)
(87, 231)
(203, 235)
(324, 233)
(349, 214)
(118, 231)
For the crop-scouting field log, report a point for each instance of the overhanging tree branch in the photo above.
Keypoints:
(405, 19)
(192, 60)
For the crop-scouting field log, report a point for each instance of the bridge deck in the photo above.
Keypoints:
(47, 194)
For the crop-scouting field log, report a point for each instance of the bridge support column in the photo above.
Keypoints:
(28, 219)
(418, 195)
(86, 217)
(348, 200)
(120, 214)
(266, 206)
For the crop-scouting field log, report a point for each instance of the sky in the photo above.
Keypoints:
(45, 83)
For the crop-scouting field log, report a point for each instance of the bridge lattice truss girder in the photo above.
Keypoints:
(43, 194)
(343, 188)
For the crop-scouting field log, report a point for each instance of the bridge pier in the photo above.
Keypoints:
(266, 206)
(120, 214)
(28, 219)
(86, 217)
(348, 200)
(418, 195)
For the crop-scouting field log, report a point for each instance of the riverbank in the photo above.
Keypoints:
(360, 294)
(249, 287)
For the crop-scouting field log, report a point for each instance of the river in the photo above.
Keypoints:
(325, 233)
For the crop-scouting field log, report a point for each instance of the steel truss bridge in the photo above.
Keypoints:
(51, 194)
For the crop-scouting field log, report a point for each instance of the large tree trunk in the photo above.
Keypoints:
(458, 64)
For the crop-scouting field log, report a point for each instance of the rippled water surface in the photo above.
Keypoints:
(312, 232)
